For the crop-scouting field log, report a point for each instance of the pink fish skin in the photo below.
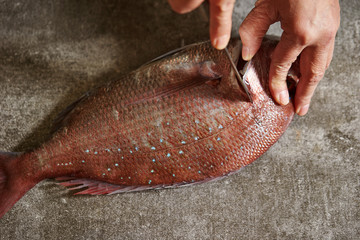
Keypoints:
(178, 120)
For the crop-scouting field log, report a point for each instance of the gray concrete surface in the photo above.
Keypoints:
(305, 187)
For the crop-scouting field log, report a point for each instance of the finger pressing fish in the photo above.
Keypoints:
(178, 120)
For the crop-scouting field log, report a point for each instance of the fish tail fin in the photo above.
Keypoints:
(12, 187)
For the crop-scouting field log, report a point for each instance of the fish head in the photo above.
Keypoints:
(255, 72)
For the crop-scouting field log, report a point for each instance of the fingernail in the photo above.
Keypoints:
(301, 111)
(246, 54)
(283, 97)
(220, 42)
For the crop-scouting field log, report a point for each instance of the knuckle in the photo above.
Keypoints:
(257, 22)
(328, 37)
(246, 33)
(315, 77)
(279, 72)
(282, 68)
(307, 98)
(303, 36)
(222, 19)
(223, 6)
(308, 34)
(328, 64)
(303, 100)
(246, 27)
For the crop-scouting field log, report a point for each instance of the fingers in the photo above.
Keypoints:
(184, 6)
(255, 26)
(309, 28)
(314, 60)
(220, 22)
(313, 63)
(220, 18)
(283, 56)
(331, 52)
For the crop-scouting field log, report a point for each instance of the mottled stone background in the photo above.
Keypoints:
(305, 187)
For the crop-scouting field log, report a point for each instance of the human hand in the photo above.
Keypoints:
(309, 31)
(220, 17)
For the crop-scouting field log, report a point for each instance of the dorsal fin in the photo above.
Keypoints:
(197, 74)
(170, 53)
(61, 117)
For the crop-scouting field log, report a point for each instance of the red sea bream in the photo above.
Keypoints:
(178, 120)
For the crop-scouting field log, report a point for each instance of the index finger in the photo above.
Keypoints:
(220, 22)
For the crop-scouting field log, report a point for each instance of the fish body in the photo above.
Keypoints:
(178, 120)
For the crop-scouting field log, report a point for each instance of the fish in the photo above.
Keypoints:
(178, 120)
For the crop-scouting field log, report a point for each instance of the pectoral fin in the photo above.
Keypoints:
(189, 75)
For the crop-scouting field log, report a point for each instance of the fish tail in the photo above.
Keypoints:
(12, 186)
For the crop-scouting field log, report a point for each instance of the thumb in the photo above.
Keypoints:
(255, 26)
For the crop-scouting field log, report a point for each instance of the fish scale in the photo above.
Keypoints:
(177, 120)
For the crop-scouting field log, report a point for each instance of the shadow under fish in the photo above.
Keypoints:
(178, 120)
